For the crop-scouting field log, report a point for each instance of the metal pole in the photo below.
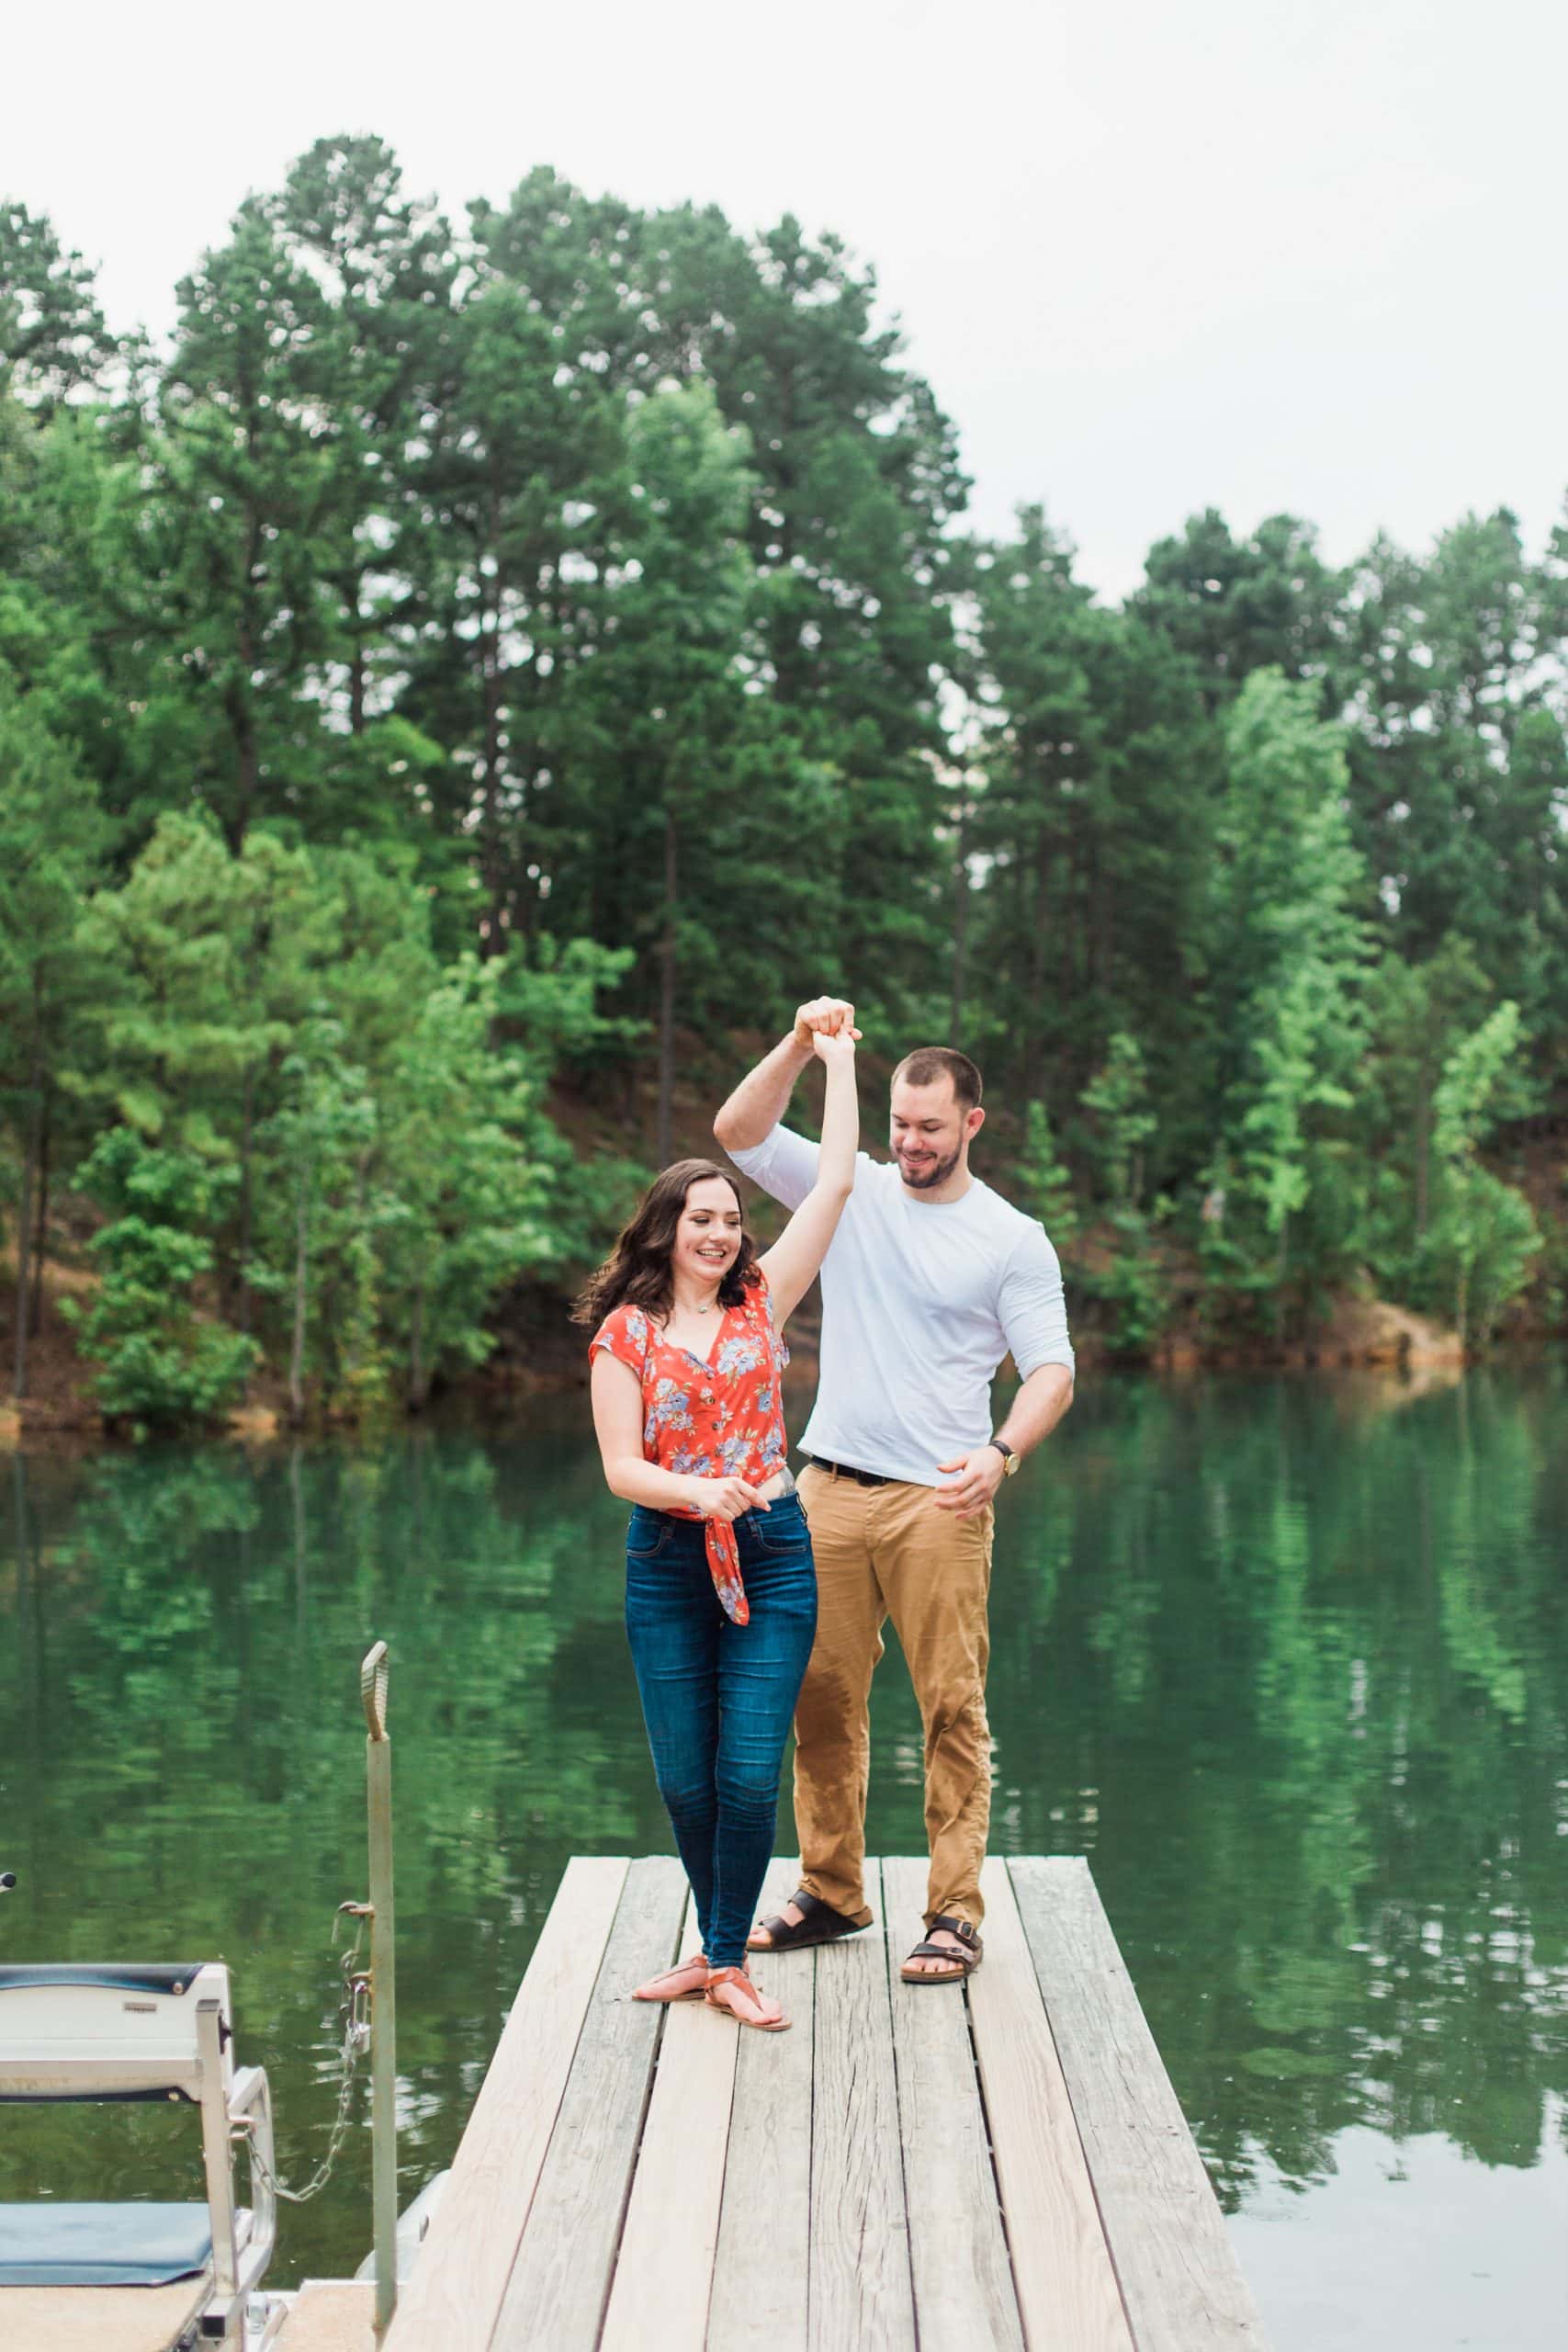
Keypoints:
(373, 1678)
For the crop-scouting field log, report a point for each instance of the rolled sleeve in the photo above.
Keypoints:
(783, 1164)
(1033, 1306)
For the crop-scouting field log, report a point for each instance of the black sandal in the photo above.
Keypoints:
(959, 1964)
(818, 1924)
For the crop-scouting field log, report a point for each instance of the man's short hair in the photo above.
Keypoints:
(928, 1065)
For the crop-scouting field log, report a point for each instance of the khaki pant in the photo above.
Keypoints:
(886, 1552)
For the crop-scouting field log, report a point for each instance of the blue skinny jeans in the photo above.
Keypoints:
(717, 1697)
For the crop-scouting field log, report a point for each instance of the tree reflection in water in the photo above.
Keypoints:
(1288, 1659)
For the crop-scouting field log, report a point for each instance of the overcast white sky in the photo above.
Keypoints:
(1153, 255)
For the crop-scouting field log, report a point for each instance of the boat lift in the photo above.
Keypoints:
(141, 2277)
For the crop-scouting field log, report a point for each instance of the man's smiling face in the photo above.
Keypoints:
(930, 1131)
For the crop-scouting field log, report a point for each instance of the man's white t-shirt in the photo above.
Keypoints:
(921, 1301)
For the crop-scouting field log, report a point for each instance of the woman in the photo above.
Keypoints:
(721, 1591)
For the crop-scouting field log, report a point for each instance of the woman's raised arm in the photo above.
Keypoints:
(791, 1264)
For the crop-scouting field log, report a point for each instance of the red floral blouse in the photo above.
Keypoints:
(721, 1417)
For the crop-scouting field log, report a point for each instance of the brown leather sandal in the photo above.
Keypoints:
(818, 1924)
(687, 1982)
(731, 1989)
(957, 1965)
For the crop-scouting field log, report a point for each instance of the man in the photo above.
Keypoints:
(931, 1280)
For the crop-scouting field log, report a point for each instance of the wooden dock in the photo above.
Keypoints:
(1000, 2168)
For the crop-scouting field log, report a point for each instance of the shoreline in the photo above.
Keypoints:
(76, 1429)
(537, 1356)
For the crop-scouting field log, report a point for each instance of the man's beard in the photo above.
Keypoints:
(925, 1180)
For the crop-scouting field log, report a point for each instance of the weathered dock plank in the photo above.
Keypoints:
(760, 2282)
(1002, 2164)
(560, 2280)
(1181, 2283)
(963, 2287)
(1068, 2293)
(861, 2297)
(452, 2300)
(664, 2274)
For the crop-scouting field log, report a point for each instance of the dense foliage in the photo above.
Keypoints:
(471, 662)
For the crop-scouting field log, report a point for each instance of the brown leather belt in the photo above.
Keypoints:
(842, 1470)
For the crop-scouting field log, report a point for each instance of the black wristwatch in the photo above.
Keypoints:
(1010, 1459)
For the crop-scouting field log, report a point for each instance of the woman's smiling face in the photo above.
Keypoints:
(707, 1235)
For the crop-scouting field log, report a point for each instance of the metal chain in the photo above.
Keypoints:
(354, 2018)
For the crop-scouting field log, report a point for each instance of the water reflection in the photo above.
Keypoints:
(1288, 1664)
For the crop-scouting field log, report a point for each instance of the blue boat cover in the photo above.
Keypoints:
(103, 2245)
(128, 1975)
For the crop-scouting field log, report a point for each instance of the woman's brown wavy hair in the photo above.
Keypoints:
(638, 1271)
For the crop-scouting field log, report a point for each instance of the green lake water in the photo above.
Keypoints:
(1288, 1659)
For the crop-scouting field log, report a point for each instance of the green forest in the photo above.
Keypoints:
(462, 689)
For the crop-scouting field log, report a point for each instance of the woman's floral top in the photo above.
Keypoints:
(723, 1419)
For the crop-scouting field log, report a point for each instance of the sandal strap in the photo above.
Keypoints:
(808, 1905)
(720, 1977)
(959, 1962)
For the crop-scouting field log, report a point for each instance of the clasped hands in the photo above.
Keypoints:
(826, 1028)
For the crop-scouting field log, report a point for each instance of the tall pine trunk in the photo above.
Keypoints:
(1034, 1080)
(301, 1279)
(667, 997)
(238, 701)
(41, 1226)
(245, 1204)
(357, 664)
(24, 1243)
(419, 1383)
(494, 942)
(492, 597)
(960, 926)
